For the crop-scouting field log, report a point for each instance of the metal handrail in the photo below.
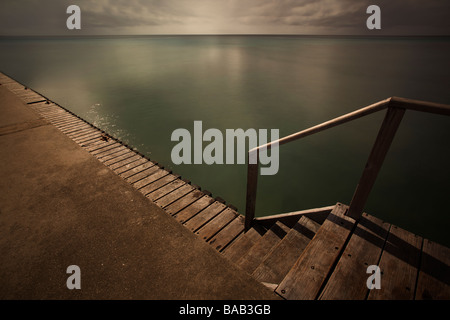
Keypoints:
(396, 108)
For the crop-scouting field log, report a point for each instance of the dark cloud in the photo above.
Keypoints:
(411, 17)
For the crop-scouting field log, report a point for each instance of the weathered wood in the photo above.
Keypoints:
(84, 135)
(161, 191)
(197, 212)
(380, 148)
(243, 243)
(216, 224)
(174, 195)
(158, 174)
(92, 136)
(159, 184)
(130, 165)
(78, 130)
(221, 239)
(102, 146)
(123, 155)
(183, 202)
(60, 117)
(399, 266)
(306, 277)
(110, 152)
(291, 218)
(115, 154)
(124, 161)
(348, 281)
(262, 247)
(139, 172)
(282, 257)
(252, 184)
(434, 275)
(68, 124)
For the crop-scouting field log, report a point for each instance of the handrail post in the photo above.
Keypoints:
(252, 183)
(380, 148)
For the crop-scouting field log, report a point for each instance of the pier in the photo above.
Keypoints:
(211, 250)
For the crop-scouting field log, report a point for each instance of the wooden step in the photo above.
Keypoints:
(399, 265)
(348, 281)
(243, 243)
(250, 261)
(305, 279)
(282, 257)
(434, 275)
(225, 236)
(216, 224)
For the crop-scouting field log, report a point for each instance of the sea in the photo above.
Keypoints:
(140, 89)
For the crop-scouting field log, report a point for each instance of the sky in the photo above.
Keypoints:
(140, 17)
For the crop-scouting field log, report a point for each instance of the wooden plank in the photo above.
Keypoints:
(175, 195)
(91, 136)
(65, 120)
(60, 118)
(110, 152)
(70, 125)
(76, 129)
(216, 224)
(283, 256)
(380, 148)
(193, 209)
(161, 191)
(251, 260)
(81, 131)
(243, 243)
(103, 146)
(306, 277)
(140, 172)
(93, 143)
(130, 165)
(183, 202)
(84, 133)
(434, 275)
(124, 162)
(160, 183)
(399, 266)
(227, 234)
(348, 281)
(202, 217)
(73, 131)
(54, 112)
(116, 157)
(154, 175)
(86, 139)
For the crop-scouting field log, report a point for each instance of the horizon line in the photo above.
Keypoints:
(229, 34)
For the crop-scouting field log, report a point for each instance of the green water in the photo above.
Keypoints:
(141, 89)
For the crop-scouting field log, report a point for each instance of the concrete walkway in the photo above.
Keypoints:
(59, 206)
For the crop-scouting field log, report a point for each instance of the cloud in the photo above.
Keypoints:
(224, 16)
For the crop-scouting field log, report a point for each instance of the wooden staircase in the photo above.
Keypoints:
(317, 258)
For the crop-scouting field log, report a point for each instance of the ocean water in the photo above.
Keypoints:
(140, 89)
